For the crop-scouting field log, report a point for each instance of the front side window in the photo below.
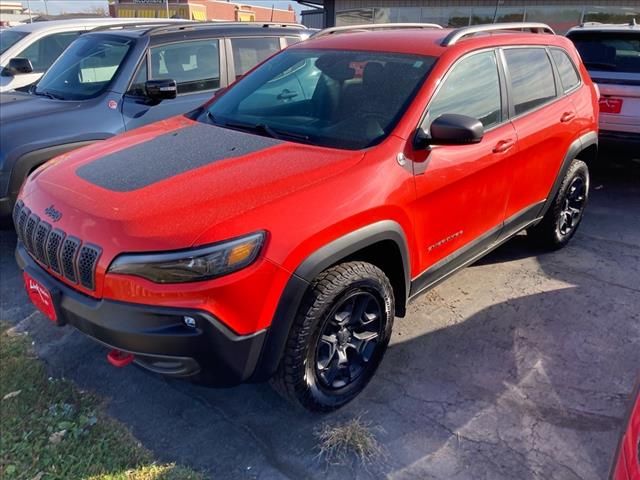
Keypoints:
(9, 37)
(472, 88)
(46, 50)
(195, 66)
(318, 97)
(568, 74)
(532, 81)
(86, 68)
(248, 52)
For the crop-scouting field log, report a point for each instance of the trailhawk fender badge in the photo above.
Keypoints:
(52, 213)
(439, 243)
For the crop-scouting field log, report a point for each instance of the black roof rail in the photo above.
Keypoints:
(460, 33)
(195, 25)
(373, 26)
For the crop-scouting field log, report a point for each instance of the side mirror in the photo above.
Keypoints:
(158, 90)
(18, 65)
(450, 129)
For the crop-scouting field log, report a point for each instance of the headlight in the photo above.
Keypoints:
(201, 263)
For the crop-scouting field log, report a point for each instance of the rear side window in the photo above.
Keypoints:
(248, 52)
(195, 66)
(532, 82)
(472, 88)
(568, 74)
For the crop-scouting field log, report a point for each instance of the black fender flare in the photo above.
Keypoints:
(30, 160)
(578, 145)
(321, 259)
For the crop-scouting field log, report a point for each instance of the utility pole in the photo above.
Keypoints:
(46, 8)
(167, 5)
(29, 8)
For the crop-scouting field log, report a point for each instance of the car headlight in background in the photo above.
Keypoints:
(202, 263)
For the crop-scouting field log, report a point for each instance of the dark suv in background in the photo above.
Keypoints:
(123, 77)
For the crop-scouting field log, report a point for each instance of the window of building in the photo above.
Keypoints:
(248, 52)
(45, 51)
(611, 14)
(532, 81)
(195, 66)
(471, 88)
(568, 74)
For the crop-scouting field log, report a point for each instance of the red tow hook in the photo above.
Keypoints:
(119, 359)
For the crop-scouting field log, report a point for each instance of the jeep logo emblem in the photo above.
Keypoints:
(52, 213)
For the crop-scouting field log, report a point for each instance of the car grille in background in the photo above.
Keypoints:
(65, 255)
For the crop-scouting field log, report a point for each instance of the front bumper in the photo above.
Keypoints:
(157, 336)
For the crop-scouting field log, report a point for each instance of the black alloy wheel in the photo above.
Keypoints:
(349, 339)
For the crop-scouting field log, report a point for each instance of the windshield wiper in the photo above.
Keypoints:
(263, 128)
(44, 93)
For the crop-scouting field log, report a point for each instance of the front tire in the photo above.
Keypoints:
(561, 221)
(338, 338)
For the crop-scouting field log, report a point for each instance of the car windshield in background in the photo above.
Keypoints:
(9, 38)
(85, 69)
(338, 99)
(609, 51)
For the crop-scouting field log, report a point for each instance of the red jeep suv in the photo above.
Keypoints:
(275, 232)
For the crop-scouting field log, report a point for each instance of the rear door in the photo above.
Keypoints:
(544, 118)
(462, 190)
(247, 52)
(197, 66)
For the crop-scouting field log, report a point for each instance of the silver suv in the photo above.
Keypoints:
(611, 53)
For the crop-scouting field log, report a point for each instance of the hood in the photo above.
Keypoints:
(15, 106)
(161, 186)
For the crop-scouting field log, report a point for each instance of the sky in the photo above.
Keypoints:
(71, 6)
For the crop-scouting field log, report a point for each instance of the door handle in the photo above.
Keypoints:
(567, 117)
(503, 145)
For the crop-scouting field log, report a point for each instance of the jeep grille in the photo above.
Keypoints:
(64, 255)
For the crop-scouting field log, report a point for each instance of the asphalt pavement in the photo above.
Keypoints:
(520, 366)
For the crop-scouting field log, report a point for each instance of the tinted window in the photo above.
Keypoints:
(568, 75)
(45, 51)
(609, 51)
(292, 40)
(248, 52)
(9, 38)
(532, 80)
(317, 97)
(86, 68)
(195, 66)
(472, 88)
(138, 84)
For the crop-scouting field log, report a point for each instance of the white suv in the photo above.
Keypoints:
(41, 43)
(611, 53)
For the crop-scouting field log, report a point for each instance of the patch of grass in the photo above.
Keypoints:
(338, 444)
(51, 430)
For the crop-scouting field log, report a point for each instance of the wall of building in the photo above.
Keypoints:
(455, 13)
(199, 10)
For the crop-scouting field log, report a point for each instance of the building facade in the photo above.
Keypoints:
(561, 15)
(202, 10)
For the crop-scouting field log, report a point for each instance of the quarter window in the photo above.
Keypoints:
(472, 88)
(195, 66)
(568, 75)
(248, 52)
(532, 82)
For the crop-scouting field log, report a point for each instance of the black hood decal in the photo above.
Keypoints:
(170, 154)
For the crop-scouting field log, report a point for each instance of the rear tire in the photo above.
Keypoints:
(561, 221)
(338, 338)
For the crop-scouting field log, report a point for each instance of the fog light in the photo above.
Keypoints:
(190, 322)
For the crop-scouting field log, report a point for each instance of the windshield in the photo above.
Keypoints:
(333, 98)
(9, 38)
(609, 51)
(85, 69)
